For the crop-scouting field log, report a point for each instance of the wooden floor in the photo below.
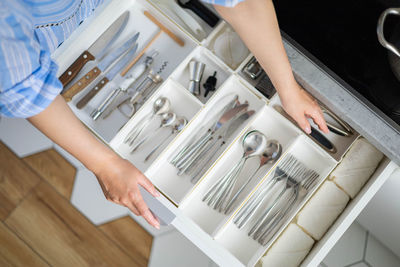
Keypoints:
(39, 226)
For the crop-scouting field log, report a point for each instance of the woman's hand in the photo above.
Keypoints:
(120, 182)
(300, 106)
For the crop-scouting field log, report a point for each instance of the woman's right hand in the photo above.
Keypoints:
(120, 182)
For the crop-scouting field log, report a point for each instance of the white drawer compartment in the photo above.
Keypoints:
(181, 204)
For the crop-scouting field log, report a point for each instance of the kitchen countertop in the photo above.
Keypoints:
(348, 107)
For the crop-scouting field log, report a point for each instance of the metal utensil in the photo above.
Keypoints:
(141, 92)
(179, 125)
(161, 105)
(102, 66)
(232, 103)
(167, 120)
(296, 174)
(299, 193)
(199, 145)
(253, 144)
(106, 107)
(207, 156)
(108, 76)
(245, 214)
(272, 152)
(196, 70)
(97, 50)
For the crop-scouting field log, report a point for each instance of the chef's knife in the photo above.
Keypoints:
(109, 75)
(97, 50)
(105, 63)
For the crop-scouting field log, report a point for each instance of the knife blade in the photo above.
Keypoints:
(109, 75)
(97, 50)
(105, 63)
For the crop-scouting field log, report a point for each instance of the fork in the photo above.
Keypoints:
(255, 202)
(293, 179)
(299, 193)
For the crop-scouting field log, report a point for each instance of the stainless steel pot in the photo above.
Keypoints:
(394, 54)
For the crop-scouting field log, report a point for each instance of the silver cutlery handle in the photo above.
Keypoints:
(106, 103)
(266, 213)
(251, 207)
(195, 148)
(132, 135)
(276, 220)
(229, 205)
(230, 188)
(143, 140)
(158, 146)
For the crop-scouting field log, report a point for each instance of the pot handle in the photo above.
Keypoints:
(381, 37)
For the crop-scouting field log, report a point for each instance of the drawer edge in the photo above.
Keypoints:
(348, 216)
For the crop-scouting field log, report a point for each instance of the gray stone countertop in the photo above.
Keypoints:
(348, 107)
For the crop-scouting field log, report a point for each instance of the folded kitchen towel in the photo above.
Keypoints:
(322, 210)
(289, 250)
(357, 167)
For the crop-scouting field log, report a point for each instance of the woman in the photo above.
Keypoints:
(31, 30)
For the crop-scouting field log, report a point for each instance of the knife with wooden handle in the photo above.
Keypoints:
(97, 50)
(110, 74)
(103, 65)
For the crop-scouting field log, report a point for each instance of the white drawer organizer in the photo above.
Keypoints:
(181, 204)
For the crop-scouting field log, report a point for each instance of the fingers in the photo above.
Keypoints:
(144, 211)
(143, 181)
(318, 118)
(303, 123)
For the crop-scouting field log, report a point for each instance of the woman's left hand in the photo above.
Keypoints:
(300, 106)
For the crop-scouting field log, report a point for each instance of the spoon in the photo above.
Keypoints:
(161, 105)
(253, 144)
(272, 152)
(167, 120)
(179, 125)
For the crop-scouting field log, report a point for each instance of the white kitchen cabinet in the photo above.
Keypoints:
(180, 205)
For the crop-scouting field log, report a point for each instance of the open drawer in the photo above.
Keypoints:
(180, 204)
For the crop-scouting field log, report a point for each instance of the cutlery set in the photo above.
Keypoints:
(115, 65)
(254, 144)
(167, 120)
(197, 155)
(290, 183)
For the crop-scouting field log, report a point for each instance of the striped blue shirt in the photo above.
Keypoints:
(30, 30)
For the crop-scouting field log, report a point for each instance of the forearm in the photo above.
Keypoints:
(255, 22)
(59, 124)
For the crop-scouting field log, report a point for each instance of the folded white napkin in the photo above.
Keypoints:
(289, 250)
(322, 210)
(357, 167)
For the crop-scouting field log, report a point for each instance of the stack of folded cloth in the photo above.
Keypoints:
(325, 206)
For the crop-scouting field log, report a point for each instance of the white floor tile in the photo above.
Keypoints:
(360, 264)
(174, 250)
(89, 199)
(349, 249)
(378, 255)
(22, 138)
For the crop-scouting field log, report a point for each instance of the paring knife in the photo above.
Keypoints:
(109, 75)
(105, 63)
(97, 50)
